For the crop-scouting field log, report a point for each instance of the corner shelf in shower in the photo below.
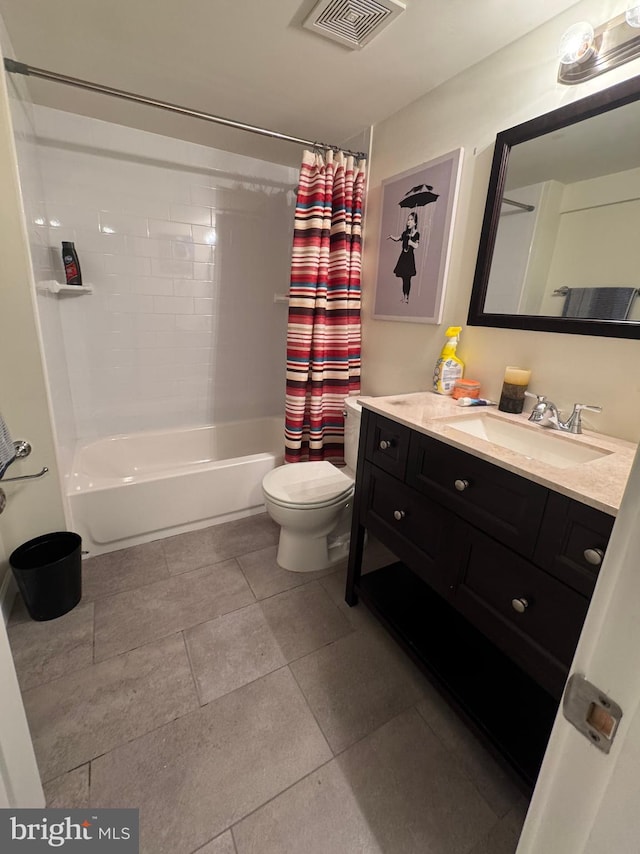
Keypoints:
(58, 288)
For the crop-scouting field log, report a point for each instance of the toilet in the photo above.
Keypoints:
(312, 504)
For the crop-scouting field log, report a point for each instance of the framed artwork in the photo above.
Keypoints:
(418, 209)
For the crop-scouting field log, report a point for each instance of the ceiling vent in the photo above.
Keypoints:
(353, 23)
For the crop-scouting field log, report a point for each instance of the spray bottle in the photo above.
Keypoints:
(449, 367)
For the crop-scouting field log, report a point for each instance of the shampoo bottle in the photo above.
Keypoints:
(449, 367)
(71, 263)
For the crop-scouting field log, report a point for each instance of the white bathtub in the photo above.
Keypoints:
(127, 490)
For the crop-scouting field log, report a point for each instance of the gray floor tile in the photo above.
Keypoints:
(356, 684)
(221, 845)
(393, 792)
(504, 837)
(267, 578)
(129, 619)
(85, 713)
(19, 613)
(125, 569)
(212, 545)
(43, 651)
(413, 798)
(69, 791)
(198, 775)
(319, 815)
(358, 616)
(495, 784)
(231, 651)
(304, 619)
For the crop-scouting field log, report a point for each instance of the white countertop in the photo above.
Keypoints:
(599, 483)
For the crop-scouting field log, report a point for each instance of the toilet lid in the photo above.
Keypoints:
(307, 483)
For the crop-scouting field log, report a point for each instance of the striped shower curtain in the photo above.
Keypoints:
(323, 335)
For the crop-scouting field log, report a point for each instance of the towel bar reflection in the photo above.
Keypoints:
(25, 476)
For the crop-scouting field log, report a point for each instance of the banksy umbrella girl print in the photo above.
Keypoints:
(417, 216)
(405, 268)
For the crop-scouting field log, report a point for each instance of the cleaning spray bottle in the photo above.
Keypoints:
(449, 367)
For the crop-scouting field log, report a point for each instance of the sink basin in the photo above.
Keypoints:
(536, 443)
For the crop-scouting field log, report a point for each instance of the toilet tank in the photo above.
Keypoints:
(352, 411)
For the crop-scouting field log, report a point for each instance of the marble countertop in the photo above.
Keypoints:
(599, 483)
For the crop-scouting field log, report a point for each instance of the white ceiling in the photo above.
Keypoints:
(251, 60)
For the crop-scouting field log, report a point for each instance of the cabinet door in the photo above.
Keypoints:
(387, 444)
(529, 614)
(573, 540)
(418, 531)
(506, 506)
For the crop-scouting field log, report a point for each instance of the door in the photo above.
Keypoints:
(19, 779)
(585, 801)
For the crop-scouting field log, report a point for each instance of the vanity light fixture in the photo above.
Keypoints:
(577, 44)
(632, 14)
(584, 52)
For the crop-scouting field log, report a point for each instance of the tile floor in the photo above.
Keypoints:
(247, 710)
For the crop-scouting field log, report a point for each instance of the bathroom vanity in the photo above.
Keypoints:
(499, 552)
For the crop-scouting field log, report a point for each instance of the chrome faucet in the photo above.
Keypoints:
(546, 414)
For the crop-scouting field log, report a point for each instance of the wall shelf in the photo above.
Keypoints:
(58, 288)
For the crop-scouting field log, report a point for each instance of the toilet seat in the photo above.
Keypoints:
(307, 485)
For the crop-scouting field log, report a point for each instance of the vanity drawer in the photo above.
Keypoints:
(573, 541)
(387, 444)
(506, 506)
(528, 613)
(418, 531)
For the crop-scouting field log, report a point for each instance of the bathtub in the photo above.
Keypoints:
(128, 490)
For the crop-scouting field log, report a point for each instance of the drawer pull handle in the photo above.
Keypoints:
(399, 515)
(593, 556)
(461, 485)
(385, 444)
(520, 605)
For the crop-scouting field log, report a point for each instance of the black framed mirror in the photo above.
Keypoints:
(560, 242)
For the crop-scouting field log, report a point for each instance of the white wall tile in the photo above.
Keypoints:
(172, 230)
(126, 265)
(191, 288)
(132, 303)
(171, 269)
(195, 323)
(192, 214)
(114, 222)
(173, 305)
(154, 286)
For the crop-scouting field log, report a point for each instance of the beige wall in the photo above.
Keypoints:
(509, 87)
(33, 508)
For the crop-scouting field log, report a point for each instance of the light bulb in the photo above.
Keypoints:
(633, 13)
(577, 44)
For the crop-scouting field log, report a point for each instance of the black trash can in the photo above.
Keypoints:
(48, 572)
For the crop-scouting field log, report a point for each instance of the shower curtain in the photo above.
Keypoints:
(323, 334)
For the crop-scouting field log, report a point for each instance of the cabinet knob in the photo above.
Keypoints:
(385, 444)
(399, 515)
(461, 485)
(593, 556)
(520, 605)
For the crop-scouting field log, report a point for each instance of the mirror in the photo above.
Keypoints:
(560, 242)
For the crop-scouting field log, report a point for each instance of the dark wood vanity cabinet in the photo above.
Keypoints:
(516, 561)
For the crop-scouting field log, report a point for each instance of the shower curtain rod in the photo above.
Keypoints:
(15, 67)
(520, 205)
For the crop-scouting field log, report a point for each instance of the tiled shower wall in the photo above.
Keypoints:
(185, 247)
(32, 186)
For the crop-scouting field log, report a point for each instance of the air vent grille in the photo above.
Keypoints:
(353, 23)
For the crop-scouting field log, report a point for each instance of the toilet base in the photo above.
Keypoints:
(302, 554)
(299, 552)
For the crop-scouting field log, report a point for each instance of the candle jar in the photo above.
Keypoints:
(514, 386)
